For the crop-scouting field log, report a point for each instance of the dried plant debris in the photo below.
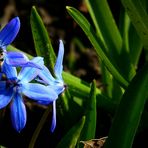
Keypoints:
(94, 143)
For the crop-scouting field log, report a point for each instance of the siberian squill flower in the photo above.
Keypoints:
(56, 83)
(7, 35)
(15, 86)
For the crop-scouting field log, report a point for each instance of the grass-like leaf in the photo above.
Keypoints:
(88, 29)
(116, 46)
(71, 138)
(42, 42)
(105, 23)
(139, 18)
(135, 46)
(129, 113)
(89, 128)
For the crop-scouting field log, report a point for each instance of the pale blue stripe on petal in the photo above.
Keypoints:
(59, 61)
(53, 124)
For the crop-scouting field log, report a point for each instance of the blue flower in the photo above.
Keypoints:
(7, 35)
(57, 83)
(15, 86)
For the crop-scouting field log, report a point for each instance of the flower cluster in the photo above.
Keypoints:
(44, 88)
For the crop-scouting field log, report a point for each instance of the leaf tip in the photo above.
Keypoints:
(67, 7)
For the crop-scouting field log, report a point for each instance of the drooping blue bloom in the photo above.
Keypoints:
(15, 86)
(56, 83)
(7, 35)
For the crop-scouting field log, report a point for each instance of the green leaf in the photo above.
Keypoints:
(131, 43)
(71, 138)
(89, 128)
(74, 82)
(42, 42)
(2, 146)
(105, 23)
(111, 89)
(81, 89)
(129, 112)
(135, 46)
(68, 110)
(106, 80)
(124, 24)
(88, 29)
(139, 18)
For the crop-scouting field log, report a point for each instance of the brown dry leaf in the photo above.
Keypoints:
(94, 143)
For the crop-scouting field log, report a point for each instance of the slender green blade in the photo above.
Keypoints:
(71, 138)
(139, 18)
(81, 89)
(124, 24)
(87, 28)
(135, 46)
(131, 44)
(105, 23)
(129, 112)
(116, 46)
(89, 128)
(2, 146)
(111, 89)
(68, 110)
(42, 42)
(74, 82)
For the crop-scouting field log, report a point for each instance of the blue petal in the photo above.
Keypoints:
(53, 124)
(2, 86)
(46, 76)
(18, 112)
(58, 88)
(9, 71)
(39, 92)
(20, 59)
(9, 32)
(29, 73)
(16, 58)
(5, 97)
(38, 60)
(58, 65)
